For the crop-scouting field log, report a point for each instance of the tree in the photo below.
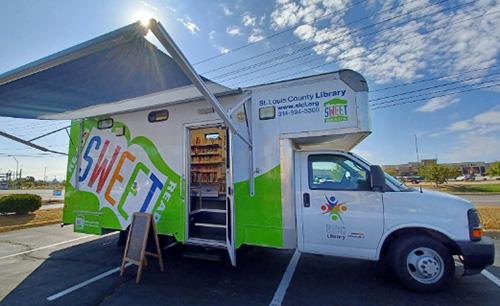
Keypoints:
(337, 173)
(391, 171)
(438, 173)
(494, 169)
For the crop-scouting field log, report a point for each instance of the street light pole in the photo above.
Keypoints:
(416, 148)
(17, 168)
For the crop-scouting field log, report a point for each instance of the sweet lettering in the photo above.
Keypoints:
(128, 189)
(110, 171)
(87, 158)
(100, 165)
(156, 185)
(116, 176)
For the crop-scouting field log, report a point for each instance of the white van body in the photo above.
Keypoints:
(296, 186)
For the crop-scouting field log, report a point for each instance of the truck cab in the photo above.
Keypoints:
(350, 208)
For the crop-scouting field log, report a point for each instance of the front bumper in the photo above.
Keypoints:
(476, 255)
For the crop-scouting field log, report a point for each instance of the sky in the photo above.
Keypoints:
(431, 66)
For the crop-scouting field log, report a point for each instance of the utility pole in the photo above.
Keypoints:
(45, 174)
(416, 148)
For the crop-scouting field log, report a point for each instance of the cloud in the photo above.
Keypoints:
(479, 148)
(233, 31)
(287, 14)
(489, 117)
(438, 103)
(211, 35)
(425, 41)
(225, 9)
(188, 24)
(481, 124)
(222, 49)
(248, 20)
(477, 137)
(262, 20)
(305, 32)
(146, 4)
(256, 35)
(461, 125)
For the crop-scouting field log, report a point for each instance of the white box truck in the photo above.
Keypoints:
(267, 165)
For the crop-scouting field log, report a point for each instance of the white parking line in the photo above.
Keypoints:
(491, 277)
(285, 281)
(485, 273)
(94, 279)
(85, 283)
(46, 247)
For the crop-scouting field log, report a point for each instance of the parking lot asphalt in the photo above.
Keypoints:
(41, 263)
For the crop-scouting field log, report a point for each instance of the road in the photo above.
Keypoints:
(77, 269)
(46, 194)
(52, 206)
(483, 199)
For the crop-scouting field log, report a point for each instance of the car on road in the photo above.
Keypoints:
(466, 177)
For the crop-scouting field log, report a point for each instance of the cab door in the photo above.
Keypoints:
(339, 213)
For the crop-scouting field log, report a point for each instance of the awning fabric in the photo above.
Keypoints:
(116, 66)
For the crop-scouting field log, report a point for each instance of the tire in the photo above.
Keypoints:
(421, 263)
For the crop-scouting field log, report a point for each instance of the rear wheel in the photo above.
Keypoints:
(422, 263)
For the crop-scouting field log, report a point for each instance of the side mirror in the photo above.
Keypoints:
(377, 178)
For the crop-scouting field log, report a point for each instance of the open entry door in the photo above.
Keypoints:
(230, 201)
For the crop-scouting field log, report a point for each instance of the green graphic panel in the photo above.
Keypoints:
(258, 219)
(169, 207)
(88, 222)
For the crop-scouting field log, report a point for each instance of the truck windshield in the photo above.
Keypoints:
(398, 184)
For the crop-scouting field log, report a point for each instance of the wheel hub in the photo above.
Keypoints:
(428, 266)
(425, 265)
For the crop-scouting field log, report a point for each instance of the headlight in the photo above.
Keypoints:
(475, 229)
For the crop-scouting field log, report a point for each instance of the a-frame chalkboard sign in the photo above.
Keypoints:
(142, 230)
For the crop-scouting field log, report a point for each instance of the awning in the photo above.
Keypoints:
(113, 67)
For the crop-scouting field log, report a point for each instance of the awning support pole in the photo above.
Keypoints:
(49, 133)
(251, 185)
(29, 143)
(79, 154)
(174, 51)
(240, 103)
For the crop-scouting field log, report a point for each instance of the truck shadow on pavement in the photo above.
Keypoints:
(189, 280)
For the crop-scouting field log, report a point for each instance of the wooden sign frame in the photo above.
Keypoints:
(148, 228)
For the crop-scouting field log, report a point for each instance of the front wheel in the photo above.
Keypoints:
(422, 263)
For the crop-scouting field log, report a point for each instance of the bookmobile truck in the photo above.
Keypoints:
(268, 165)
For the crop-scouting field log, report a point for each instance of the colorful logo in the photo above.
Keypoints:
(335, 110)
(334, 208)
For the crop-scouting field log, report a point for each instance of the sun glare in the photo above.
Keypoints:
(143, 17)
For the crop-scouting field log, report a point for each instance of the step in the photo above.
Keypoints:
(207, 203)
(208, 217)
(206, 243)
(207, 233)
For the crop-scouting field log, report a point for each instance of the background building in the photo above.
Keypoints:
(411, 168)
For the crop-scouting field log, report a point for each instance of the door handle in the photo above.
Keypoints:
(306, 199)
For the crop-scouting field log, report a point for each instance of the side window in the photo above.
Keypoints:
(335, 172)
